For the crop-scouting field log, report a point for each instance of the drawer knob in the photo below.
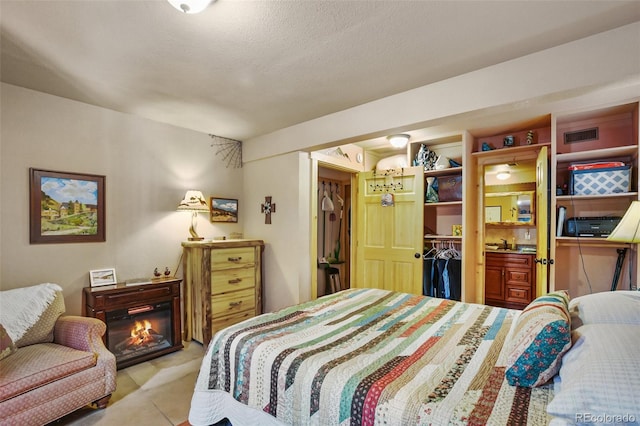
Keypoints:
(234, 304)
(234, 259)
(235, 281)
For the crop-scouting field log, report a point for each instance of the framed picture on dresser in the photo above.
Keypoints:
(66, 207)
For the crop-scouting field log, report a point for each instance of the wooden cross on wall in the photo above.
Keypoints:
(267, 208)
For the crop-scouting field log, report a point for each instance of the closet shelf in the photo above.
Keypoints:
(444, 172)
(589, 242)
(511, 150)
(443, 203)
(598, 154)
(442, 237)
(633, 195)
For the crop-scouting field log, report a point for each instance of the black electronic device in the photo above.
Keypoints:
(597, 227)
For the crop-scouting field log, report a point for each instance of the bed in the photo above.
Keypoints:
(371, 356)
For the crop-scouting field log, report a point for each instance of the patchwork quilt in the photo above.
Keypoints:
(370, 356)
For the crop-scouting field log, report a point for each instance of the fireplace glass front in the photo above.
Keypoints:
(138, 331)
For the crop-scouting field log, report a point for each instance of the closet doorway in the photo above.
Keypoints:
(333, 230)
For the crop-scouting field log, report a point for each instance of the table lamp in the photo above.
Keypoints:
(627, 231)
(195, 203)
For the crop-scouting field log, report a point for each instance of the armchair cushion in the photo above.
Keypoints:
(42, 330)
(28, 314)
(35, 365)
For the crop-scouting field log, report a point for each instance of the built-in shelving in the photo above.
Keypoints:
(516, 150)
(583, 264)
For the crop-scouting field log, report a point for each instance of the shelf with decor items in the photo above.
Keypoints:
(440, 216)
(447, 219)
(600, 144)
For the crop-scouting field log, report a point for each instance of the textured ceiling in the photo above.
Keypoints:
(245, 68)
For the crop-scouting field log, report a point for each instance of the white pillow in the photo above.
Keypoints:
(611, 307)
(599, 381)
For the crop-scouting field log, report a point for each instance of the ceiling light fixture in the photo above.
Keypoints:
(398, 141)
(190, 6)
(503, 175)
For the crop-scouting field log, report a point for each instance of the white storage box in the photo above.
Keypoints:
(601, 181)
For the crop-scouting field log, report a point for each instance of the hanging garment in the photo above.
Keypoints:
(429, 277)
(442, 274)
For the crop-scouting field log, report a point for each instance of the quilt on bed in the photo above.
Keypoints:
(369, 356)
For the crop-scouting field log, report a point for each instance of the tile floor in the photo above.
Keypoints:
(155, 393)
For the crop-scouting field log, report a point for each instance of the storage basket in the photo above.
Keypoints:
(450, 188)
(600, 181)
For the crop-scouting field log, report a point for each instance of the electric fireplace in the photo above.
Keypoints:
(143, 321)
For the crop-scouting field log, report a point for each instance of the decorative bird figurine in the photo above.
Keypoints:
(167, 272)
(486, 147)
(156, 273)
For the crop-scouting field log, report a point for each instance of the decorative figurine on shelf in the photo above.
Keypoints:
(431, 195)
(509, 140)
(156, 273)
(486, 147)
(167, 272)
(529, 137)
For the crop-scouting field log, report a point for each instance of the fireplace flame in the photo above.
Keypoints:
(140, 331)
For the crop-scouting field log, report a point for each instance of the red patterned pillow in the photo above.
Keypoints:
(7, 347)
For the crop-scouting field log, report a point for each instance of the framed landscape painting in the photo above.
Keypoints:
(223, 210)
(66, 207)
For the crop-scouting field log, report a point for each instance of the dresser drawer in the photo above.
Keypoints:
(234, 302)
(232, 258)
(508, 259)
(233, 279)
(518, 294)
(518, 276)
(218, 324)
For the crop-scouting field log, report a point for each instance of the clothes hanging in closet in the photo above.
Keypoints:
(442, 273)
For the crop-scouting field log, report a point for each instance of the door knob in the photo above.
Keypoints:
(417, 255)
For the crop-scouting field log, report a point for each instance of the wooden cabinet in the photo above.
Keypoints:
(223, 285)
(509, 279)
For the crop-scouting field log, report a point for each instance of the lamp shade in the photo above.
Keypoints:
(398, 141)
(193, 201)
(628, 230)
(190, 6)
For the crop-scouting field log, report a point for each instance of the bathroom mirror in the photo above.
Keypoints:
(515, 208)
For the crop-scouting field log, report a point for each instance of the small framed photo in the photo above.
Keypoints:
(223, 210)
(66, 207)
(100, 277)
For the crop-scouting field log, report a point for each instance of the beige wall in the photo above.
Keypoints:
(148, 167)
(287, 267)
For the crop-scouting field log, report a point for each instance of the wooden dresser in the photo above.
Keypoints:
(223, 285)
